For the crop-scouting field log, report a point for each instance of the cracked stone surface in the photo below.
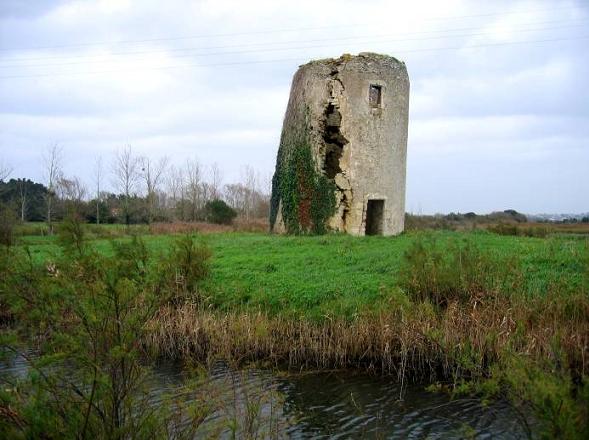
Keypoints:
(360, 145)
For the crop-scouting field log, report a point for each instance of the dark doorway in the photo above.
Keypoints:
(374, 217)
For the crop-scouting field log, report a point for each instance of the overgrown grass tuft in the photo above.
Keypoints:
(459, 270)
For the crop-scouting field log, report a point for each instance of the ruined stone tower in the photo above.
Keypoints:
(342, 155)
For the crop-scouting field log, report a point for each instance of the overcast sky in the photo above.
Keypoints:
(499, 106)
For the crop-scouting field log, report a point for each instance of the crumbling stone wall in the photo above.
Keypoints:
(342, 156)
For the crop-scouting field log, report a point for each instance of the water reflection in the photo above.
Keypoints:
(359, 406)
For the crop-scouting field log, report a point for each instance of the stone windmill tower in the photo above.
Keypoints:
(342, 156)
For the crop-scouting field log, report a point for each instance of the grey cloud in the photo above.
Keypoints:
(490, 127)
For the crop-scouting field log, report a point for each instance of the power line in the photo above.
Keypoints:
(266, 31)
(166, 51)
(385, 40)
(236, 63)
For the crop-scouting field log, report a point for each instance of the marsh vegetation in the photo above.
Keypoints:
(477, 314)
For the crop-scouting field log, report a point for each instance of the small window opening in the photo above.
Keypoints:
(375, 96)
(374, 217)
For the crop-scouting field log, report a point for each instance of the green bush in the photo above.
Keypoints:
(70, 233)
(87, 314)
(559, 400)
(219, 212)
(185, 266)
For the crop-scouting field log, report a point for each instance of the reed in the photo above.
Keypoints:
(413, 341)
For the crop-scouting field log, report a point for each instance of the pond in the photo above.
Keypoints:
(327, 405)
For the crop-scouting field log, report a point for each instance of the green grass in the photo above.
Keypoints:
(340, 275)
(483, 313)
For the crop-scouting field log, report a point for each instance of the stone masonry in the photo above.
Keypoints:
(353, 114)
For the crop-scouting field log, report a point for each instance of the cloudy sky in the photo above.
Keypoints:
(499, 107)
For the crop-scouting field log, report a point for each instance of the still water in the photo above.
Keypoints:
(335, 405)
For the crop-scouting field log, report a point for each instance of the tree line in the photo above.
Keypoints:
(145, 190)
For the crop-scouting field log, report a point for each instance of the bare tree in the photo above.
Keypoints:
(250, 197)
(215, 182)
(234, 195)
(176, 189)
(71, 192)
(250, 182)
(5, 170)
(125, 170)
(266, 184)
(193, 186)
(97, 181)
(71, 189)
(52, 168)
(152, 174)
(23, 193)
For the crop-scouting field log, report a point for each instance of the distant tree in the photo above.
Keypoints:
(22, 192)
(152, 174)
(234, 195)
(176, 190)
(52, 160)
(193, 187)
(250, 180)
(97, 181)
(215, 182)
(5, 170)
(517, 216)
(217, 211)
(27, 197)
(71, 193)
(114, 209)
(125, 169)
(585, 220)
(99, 208)
(247, 197)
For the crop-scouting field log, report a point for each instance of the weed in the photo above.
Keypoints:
(185, 267)
(458, 271)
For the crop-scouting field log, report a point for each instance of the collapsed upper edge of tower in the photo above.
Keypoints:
(362, 56)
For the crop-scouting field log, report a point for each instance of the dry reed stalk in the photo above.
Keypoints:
(459, 341)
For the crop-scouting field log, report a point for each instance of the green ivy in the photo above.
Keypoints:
(307, 196)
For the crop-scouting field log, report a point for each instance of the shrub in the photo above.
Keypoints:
(8, 221)
(558, 402)
(217, 211)
(71, 234)
(185, 266)
(504, 229)
(457, 271)
(87, 315)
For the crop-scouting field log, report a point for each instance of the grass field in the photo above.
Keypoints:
(472, 312)
(342, 275)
